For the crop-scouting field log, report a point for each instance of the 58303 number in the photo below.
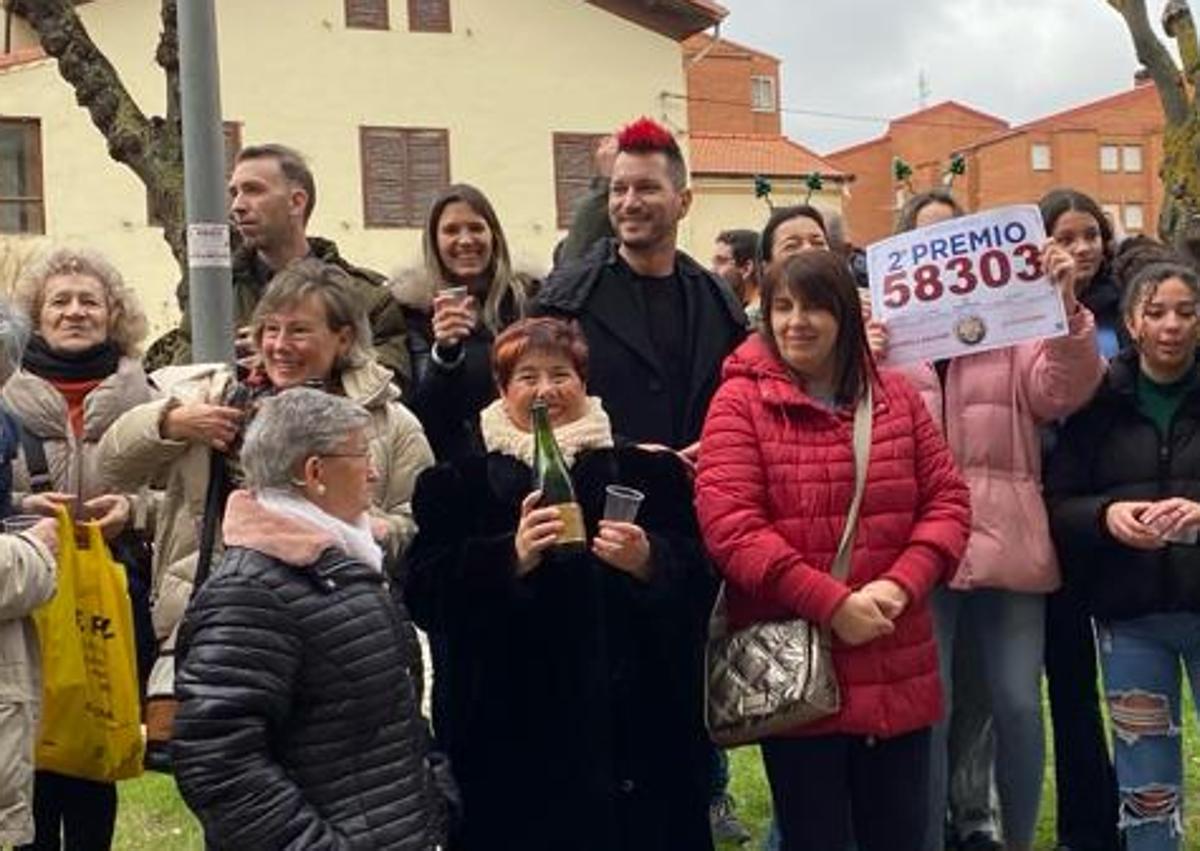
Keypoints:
(961, 275)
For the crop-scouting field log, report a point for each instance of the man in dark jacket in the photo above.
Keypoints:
(658, 325)
(272, 195)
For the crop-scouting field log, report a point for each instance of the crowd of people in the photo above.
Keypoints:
(357, 629)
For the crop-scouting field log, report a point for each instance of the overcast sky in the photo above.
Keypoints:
(1016, 59)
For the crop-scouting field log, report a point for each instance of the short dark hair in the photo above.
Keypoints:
(646, 136)
(822, 279)
(291, 163)
(743, 243)
(786, 214)
(906, 220)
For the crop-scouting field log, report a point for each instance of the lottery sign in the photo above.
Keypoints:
(964, 285)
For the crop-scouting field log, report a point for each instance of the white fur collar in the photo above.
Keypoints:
(591, 431)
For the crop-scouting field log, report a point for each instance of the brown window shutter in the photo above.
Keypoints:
(403, 170)
(367, 14)
(22, 204)
(574, 167)
(429, 16)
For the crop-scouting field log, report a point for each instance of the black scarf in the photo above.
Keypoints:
(95, 363)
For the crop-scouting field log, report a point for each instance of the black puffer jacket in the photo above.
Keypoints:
(1110, 452)
(298, 727)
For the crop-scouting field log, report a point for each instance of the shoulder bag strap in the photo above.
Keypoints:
(863, 419)
(36, 464)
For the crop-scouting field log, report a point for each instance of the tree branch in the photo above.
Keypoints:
(167, 55)
(1154, 56)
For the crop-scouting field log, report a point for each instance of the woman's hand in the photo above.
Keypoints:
(537, 531)
(1123, 521)
(46, 503)
(624, 546)
(888, 595)
(1172, 518)
(46, 531)
(199, 422)
(453, 319)
(877, 338)
(111, 511)
(859, 620)
(1061, 269)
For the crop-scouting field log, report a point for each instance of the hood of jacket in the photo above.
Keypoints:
(43, 410)
(250, 524)
(370, 385)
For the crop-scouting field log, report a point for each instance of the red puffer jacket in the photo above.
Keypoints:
(775, 481)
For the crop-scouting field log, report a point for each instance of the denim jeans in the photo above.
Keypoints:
(1140, 658)
(1009, 628)
(718, 774)
(972, 743)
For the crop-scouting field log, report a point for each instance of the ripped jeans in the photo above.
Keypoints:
(1141, 662)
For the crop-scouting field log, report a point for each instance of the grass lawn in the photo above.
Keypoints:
(153, 818)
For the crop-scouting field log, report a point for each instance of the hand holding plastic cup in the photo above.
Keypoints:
(458, 295)
(621, 503)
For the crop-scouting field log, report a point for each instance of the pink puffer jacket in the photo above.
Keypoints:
(992, 407)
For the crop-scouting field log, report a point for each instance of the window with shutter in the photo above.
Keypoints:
(403, 170)
(574, 167)
(429, 16)
(367, 14)
(22, 203)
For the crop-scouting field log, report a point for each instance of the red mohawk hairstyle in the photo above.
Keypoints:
(647, 136)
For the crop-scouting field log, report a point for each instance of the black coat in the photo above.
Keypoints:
(1110, 452)
(298, 726)
(447, 399)
(576, 691)
(624, 368)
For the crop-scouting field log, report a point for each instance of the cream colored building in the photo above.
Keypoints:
(496, 88)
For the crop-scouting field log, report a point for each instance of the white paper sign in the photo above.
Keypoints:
(964, 285)
(208, 246)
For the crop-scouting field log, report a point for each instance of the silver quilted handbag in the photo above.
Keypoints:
(768, 678)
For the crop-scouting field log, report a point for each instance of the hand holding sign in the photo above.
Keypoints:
(969, 285)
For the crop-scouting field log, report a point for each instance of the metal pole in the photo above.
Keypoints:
(209, 282)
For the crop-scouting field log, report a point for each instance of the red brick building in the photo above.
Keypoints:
(1110, 149)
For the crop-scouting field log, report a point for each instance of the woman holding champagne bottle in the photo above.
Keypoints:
(575, 641)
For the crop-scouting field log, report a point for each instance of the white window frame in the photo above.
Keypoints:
(1110, 159)
(1040, 156)
(1113, 211)
(762, 93)
(1136, 222)
(1131, 159)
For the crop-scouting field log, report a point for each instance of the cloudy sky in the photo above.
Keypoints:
(1016, 59)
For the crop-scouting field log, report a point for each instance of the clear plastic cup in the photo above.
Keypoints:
(20, 522)
(459, 294)
(621, 503)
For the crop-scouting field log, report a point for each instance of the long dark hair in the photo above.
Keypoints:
(821, 279)
(501, 279)
(1058, 201)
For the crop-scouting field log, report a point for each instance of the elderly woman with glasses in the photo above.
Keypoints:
(299, 724)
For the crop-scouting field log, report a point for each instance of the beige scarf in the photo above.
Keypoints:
(591, 431)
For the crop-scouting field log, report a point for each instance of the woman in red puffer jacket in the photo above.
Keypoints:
(775, 481)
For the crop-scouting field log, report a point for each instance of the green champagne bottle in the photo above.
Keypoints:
(551, 477)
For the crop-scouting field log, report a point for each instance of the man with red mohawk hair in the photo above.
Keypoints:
(658, 324)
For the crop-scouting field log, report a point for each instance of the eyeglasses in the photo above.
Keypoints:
(366, 453)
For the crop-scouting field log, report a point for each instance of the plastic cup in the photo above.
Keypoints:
(459, 294)
(20, 522)
(621, 503)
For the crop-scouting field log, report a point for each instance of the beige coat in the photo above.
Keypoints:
(72, 461)
(26, 581)
(133, 453)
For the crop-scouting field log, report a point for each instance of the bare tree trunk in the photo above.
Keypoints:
(152, 147)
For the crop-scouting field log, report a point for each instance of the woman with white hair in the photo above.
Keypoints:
(26, 582)
(309, 330)
(299, 724)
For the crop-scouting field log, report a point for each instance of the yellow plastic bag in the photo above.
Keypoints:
(91, 724)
